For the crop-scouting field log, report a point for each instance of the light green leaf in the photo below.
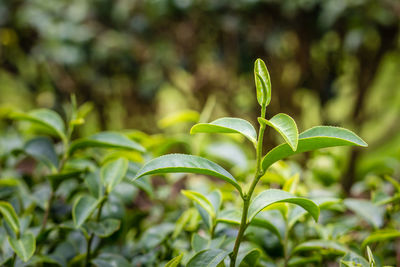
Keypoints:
(272, 196)
(182, 221)
(179, 163)
(371, 259)
(301, 261)
(352, 259)
(263, 83)
(103, 228)
(113, 172)
(42, 149)
(227, 125)
(319, 245)
(179, 117)
(83, 208)
(44, 117)
(175, 261)
(9, 215)
(106, 140)
(24, 247)
(312, 139)
(285, 126)
(208, 258)
(367, 210)
(201, 200)
(380, 236)
(233, 217)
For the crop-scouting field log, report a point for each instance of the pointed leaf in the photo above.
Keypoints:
(312, 139)
(381, 236)
(174, 262)
(285, 126)
(227, 125)
(272, 196)
(44, 117)
(9, 215)
(248, 257)
(366, 210)
(113, 172)
(201, 200)
(24, 247)
(106, 140)
(83, 208)
(263, 83)
(179, 163)
(208, 257)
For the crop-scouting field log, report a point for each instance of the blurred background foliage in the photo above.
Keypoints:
(333, 62)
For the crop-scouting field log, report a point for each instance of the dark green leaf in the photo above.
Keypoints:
(286, 127)
(227, 125)
(103, 228)
(312, 139)
(42, 149)
(24, 247)
(248, 257)
(272, 196)
(186, 163)
(208, 257)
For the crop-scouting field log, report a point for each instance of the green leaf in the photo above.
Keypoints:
(83, 208)
(199, 243)
(321, 245)
(201, 200)
(366, 210)
(227, 125)
(272, 196)
(113, 172)
(42, 149)
(285, 126)
(296, 261)
(208, 257)
(103, 228)
(371, 259)
(233, 216)
(248, 257)
(352, 259)
(24, 247)
(44, 117)
(312, 139)
(9, 215)
(106, 140)
(380, 236)
(263, 83)
(175, 261)
(182, 163)
(179, 117)
(182, 221)
(111, 260)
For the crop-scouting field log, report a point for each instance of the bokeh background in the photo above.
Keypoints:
(334, 62)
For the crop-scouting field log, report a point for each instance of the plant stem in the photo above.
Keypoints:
(90, 240)
(47, 212)
(247, 197)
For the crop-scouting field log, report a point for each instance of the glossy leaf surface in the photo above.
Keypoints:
(9, 215)
(83, 208)
(312, 139)
(272, 196)
(227, 125)
(286, 127)
(208, 257)
(182, 163)
(113, 172)
(45, 117)
(24, 247)
(263, 83)
(106, 140)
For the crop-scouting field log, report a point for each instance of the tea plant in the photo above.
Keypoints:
(209, 205)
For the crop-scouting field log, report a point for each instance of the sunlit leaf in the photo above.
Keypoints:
(83, 208)
(227, 125)
(263, 83)
(9, 215)
(382, 235)
(272, 196)
(352, 259)
(175, 261)
(24, 247)
(312, 139)
(181, 163)
(200, 200)
(179, 117)
(285, 126)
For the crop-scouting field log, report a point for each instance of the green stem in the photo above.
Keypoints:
(247, 197)
(90, 240)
